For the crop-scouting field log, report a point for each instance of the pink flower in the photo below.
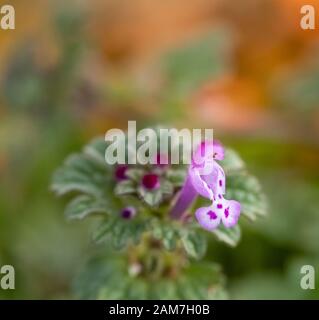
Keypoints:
(151, 181)
(207, 178)
(120, 172)
(128, 213)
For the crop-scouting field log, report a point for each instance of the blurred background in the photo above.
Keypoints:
(73, 69)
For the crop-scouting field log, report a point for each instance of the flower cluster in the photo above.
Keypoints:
(205, 177)
(167, 202)
(158, 212)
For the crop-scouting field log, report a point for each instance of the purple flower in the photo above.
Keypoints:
(225, 211)
(207, 178)
(128, 213)
(120, 172)
(150, 181)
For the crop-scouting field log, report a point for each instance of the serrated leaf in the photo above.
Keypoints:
(177, 177)
(65, 182)
(194, 243)
(125, 187)
(95, 150)
(103, 231)
(84, 205)
(120, 231)
(232, 162)
(156, 229)
(80, 174)
(166, 188)
(151, 198)
(127, 231)
(230, 236)
(134, 174)
(81, 163)
(202, 280)
(170, 238)
(247, 190)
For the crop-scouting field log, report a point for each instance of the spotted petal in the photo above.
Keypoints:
(208, 218)
(228, 210)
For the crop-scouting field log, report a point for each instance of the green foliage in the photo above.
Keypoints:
(87, 174)
(243, 187)
(82, 206)
(151, 232)
(120, 232)
(230, 236)
(110, 278)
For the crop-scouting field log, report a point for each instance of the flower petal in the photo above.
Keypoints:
(228, 210)
(216, 181)
(202, 153)
(208, 218)
(200, 184)
(185, 199)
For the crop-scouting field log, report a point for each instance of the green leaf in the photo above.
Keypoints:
(135, 174)
(103, 231)
(120, 231)
(166, 188)
(177, 177)
(125, 187)
(85, 205)
(170, 238)
(202, 280)
(95, 150)
(232, 162)
(247, 190)
(230, 236)
(151, 198)
(80, 174)
(194, 243)
(109, 278)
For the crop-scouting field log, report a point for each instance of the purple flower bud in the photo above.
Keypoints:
(150, 181)
(120, 172)
(128, 213)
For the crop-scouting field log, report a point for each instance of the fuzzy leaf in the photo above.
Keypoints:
(194, 244)
(232, 162)
(85, 205)
(230, 236)
(80, 174)
(170, 237)
(151, 198)
(108, 278)
(103, 231)
(166, 188)
(95, 150)
(247, 190)
(120, 231)
(124, 188)
(134, 174)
